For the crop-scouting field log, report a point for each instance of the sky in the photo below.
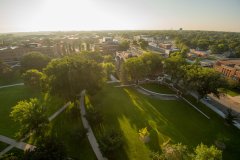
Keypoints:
(62, 15)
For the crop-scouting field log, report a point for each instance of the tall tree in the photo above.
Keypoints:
(34, 60)
(132, 70)
(33, 78)
(31, 116)
(153, 62)
(67, 76)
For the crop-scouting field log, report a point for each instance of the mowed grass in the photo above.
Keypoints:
(9, 97)
(3, 146)
(64, 126)
(158, 88)
(170, 121)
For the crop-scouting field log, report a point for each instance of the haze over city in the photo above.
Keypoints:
(51, 15)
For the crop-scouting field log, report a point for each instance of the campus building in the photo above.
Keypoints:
(229, 68)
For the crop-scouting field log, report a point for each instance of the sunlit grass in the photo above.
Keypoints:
(158, 88)
(126, 110)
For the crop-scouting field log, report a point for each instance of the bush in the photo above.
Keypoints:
(94, 116)
(110, 142)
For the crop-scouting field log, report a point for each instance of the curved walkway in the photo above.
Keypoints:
(91, 137)
(157, 95)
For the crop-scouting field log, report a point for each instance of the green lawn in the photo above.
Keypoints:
(9, 98)
(233, 92)
(127, 110)
(3, 146)
(64, 126)
(158, 88)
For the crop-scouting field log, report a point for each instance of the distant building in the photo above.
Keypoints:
(106, 45)
(229, 68)
(15, 53)
(122, 56)
(199, 53)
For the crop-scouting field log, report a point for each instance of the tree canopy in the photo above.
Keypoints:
(67, 76)
(34, 60)
(31, 116)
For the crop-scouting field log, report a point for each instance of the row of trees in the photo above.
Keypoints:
(181, 152)
(191, 77)
(194, 77)
(66, 76)
(137, 68)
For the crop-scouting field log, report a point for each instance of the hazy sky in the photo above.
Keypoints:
(43, 15)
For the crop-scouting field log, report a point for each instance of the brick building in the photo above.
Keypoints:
(229, 68)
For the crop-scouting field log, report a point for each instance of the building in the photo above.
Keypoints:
(15, 53)
(124, 55)
(229, 68)
(199, 53)
(106, 45)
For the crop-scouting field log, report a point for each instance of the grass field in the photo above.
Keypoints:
(158, 88)
(3, 146)
(170, 121)
(9, 98)
(67, 125)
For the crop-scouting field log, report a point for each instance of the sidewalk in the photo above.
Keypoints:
(12, 85)
(92, 139)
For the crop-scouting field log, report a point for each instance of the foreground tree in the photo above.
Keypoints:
(204, 152)
(34, 60)
(175, 152)
(48, 148)
(31, 116)
(33, 78)
(110, 142)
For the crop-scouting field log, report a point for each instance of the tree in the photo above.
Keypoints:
(94, 116)
(110, 142)
(143, 44)
(31, 116)
(92, 56)
(48, 148)
(132, 70)
(153, 63)
(5, 70)
(203, 80)
(172, 66)
(175, 152)
(204, 152)
(109, 68)
(67, 76)
(123, 46)
(34, 60)
(33, 78)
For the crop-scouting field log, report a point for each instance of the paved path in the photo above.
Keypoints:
(92, 139)
(12, 85)
(157, 95)
(20, 144)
